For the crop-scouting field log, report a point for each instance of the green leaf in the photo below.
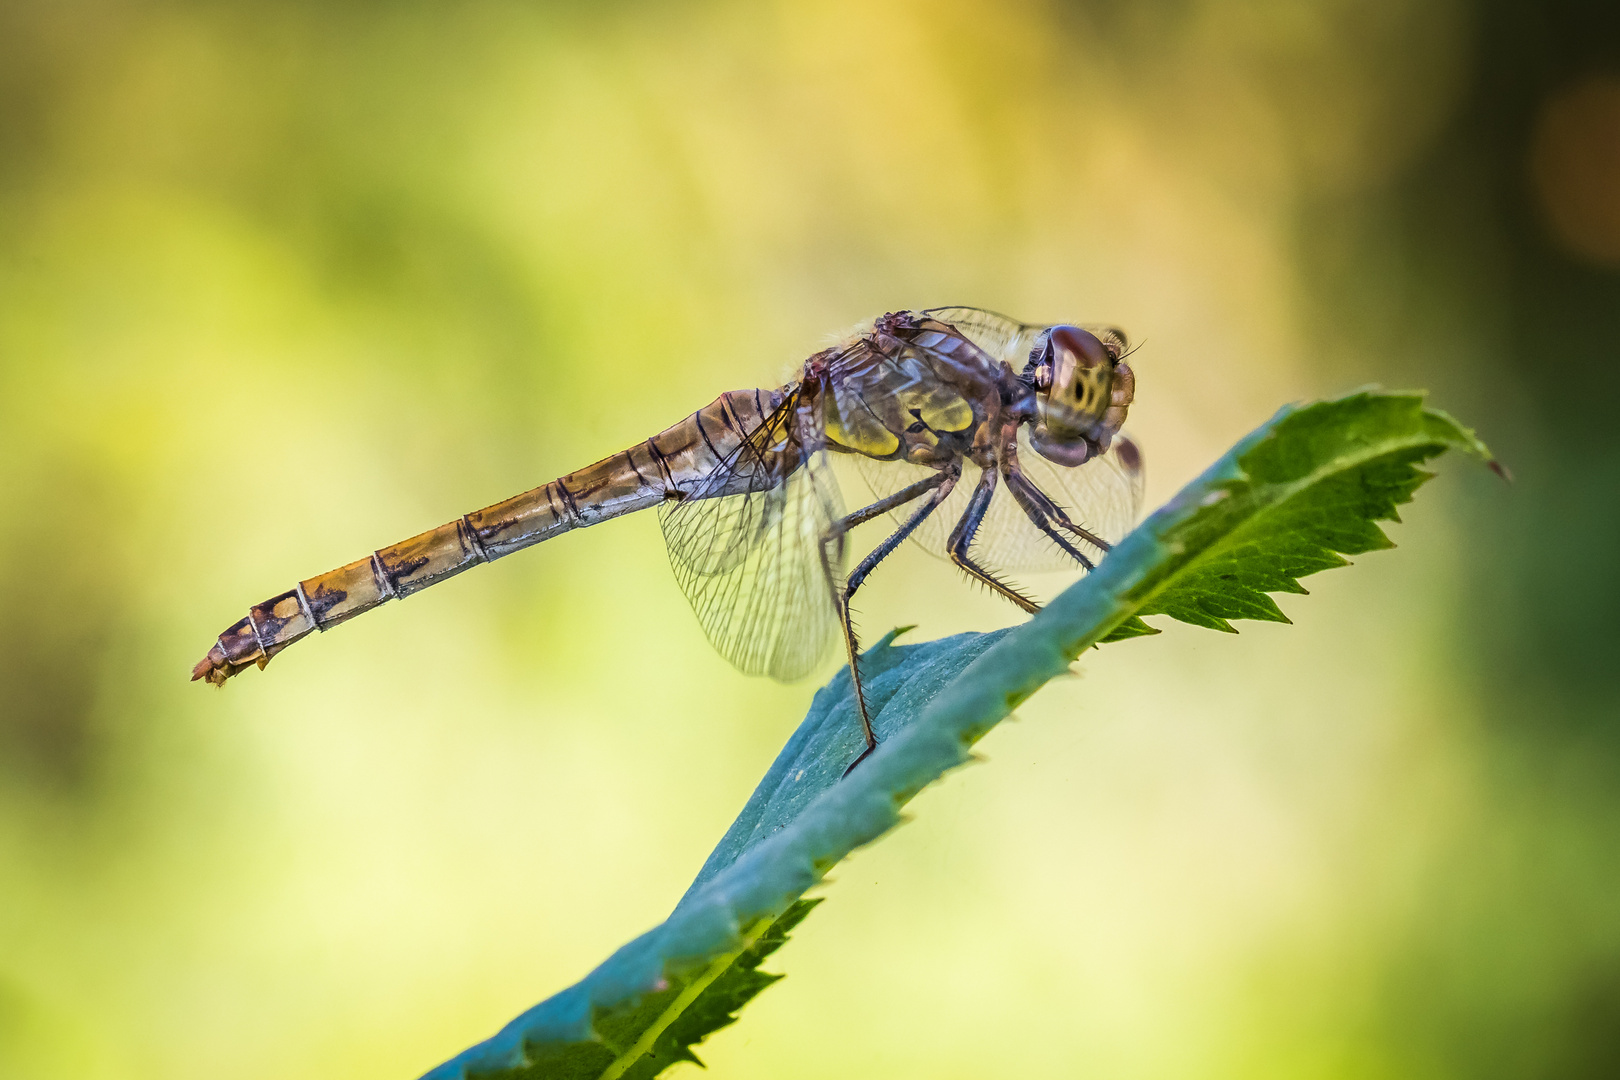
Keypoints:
(1289, 500)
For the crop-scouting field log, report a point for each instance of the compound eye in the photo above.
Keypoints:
(1086, 348)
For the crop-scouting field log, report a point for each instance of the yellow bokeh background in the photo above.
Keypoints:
(283, 283)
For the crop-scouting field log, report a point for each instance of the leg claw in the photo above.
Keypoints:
(871, 746)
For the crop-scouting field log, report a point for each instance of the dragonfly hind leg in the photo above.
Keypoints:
(941, 492)
(961, 541)
(940, 484)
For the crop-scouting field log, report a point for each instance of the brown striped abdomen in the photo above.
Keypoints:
(668, 465)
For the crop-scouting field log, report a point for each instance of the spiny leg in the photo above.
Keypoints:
(962, 539)
(1043, 512)
(885, 549)
(868, 564)
(835, 534)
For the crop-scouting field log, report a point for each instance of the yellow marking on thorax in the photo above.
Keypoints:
(871, 439)
(939, 410)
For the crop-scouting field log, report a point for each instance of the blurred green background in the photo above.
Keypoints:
(281, 283)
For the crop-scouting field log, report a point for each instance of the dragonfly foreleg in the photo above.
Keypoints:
(1043, 512)
(962, 540)
(841, 592)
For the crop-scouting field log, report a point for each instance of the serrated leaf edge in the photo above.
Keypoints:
(1285, 493)
(866, 805)
(644, 1044)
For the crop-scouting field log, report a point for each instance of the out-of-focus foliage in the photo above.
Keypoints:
(1289, 500)
(282, 283)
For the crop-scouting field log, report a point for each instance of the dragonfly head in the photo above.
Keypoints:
(1082, 391)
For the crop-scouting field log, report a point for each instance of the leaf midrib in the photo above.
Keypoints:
(682, 1001)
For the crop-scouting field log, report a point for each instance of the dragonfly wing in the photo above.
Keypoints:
(750, 561)
(1001, 337)
(1103, 496)
(1008, 339)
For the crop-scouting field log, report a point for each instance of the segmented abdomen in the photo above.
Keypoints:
(671, 464)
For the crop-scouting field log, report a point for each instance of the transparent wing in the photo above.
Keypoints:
(1006, 338)
(1103, 496)
(750, 562)
(998, 335)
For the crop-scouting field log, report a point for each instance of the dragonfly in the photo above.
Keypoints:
(751, 510)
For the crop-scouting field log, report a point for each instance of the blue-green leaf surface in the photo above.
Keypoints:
(1289, 500)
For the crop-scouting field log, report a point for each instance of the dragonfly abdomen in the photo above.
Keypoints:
(322, 602)
(670, 465)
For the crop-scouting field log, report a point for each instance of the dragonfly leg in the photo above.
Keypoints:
(835, 535)
(962, 540)
(942, 491)
(1043, 512)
